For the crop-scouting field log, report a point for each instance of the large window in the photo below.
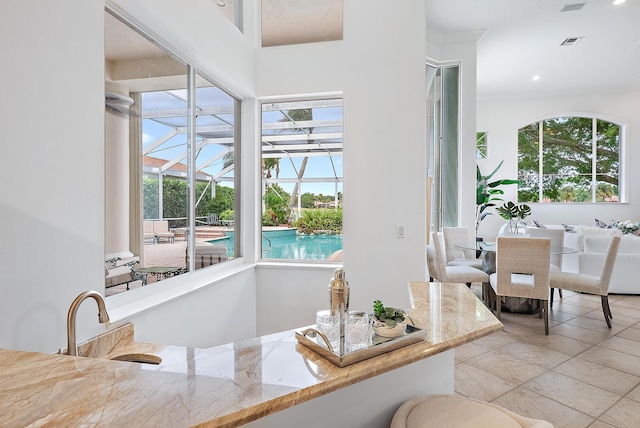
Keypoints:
(171, 172)
(569, 159)
(302, 180)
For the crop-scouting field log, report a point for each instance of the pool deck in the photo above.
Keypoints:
(172, 254)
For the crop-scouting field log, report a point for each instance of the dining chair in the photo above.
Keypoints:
(590, 284)
(522, 270)
(432, 263)
(455, 256)
(463, 274)
(557, 241)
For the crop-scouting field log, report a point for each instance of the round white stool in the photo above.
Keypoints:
(450, 411)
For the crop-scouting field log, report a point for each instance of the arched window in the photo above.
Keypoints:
(569, 159)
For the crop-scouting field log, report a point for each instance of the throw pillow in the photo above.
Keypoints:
(603, 225)
(536, 223)
(568, 228)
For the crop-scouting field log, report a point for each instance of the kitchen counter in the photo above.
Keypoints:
(226, 385)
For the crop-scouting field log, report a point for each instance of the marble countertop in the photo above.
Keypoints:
(221, 386)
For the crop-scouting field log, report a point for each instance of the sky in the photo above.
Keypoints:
(317, 167)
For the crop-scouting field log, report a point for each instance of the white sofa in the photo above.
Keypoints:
(592, 243)
(624, 278)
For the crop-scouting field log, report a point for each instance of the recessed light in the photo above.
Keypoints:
(617, 2)
(535, 78)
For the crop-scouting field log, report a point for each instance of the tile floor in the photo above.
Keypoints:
(582, 374)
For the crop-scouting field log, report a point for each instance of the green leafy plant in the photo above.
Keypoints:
(389, 316)
(488, 193)
(514, 213)
(320, 221)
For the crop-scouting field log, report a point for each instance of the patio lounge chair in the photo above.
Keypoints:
(161, 230)
(207, 255)
(118, 271)
(147, 230)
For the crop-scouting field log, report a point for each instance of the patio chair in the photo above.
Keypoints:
(207, 255)
(161, 230)
(147, 230)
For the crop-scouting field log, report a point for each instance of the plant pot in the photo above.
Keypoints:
(382, 329)
(518, 230)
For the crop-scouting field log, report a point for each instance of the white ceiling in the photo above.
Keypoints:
(522, 38)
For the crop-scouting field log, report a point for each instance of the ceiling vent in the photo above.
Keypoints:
(570, 41)
(572, 7)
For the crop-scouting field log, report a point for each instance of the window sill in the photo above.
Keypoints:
(123, 306)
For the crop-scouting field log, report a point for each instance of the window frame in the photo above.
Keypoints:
(260, 208)
(594, 159)
(192, 75)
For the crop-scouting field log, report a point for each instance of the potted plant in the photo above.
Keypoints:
(388, 322)
(514, 213)
(488, 193)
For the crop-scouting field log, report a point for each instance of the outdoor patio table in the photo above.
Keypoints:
(160, 272)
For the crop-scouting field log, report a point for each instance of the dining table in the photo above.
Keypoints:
(488, 252)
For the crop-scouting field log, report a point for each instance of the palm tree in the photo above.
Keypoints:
(268, 164)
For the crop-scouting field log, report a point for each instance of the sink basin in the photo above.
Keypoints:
(138, 358)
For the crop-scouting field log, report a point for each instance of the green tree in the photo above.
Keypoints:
(150, 198)
(567, 158)
(222, 202)
(276, 206)
(306, 200)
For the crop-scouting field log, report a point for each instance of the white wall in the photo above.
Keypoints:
(208, 316)
(295, 290)
(52, 166)
(52, 162)
(380, 69)
(503, 117)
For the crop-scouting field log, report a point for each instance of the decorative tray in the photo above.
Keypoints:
(309, 337)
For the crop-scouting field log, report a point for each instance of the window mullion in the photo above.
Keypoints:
(191, 167)
(540, 162)
(594, 152)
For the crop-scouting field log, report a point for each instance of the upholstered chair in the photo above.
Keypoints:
(444, 411)
(462, 274)
(591, 284)
(432, 263)
(522, 270)
(557, 241)
(455, 256)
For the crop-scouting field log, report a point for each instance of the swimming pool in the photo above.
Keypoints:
(287, 244)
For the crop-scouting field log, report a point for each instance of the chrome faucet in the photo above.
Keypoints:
(103, 317)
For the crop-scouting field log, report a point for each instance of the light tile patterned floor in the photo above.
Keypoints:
(582, 375)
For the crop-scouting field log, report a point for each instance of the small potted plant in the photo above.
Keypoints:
(388, 322)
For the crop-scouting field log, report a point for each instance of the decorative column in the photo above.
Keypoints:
(117, 178)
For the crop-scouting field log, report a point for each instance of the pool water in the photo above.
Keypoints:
(287, 244)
